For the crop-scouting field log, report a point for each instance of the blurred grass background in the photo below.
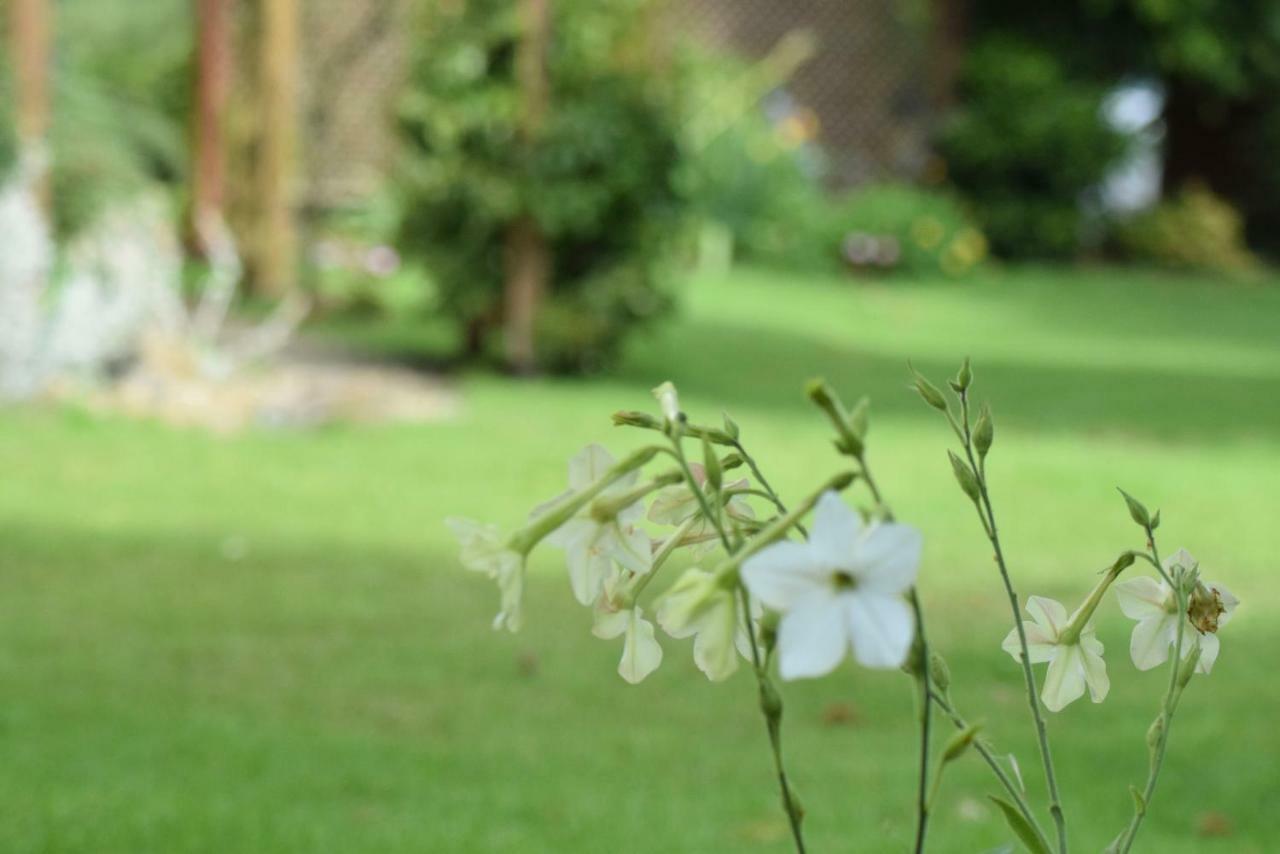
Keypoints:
(267, 640)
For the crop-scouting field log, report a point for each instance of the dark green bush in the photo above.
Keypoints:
(601, 180)
(1027, 144)
(907, 229)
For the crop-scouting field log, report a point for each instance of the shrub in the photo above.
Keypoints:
(905, 228)
(1195, 230)
(1027, 144)
(600, 179)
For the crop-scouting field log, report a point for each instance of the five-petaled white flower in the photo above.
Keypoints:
(641, 653)
(1073, 663)
(696, 605)
(593, 545)
(1151, 602)
(845, 585)
(485, 550)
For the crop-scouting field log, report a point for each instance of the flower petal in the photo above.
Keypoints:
(835, 532)
(812, 638)
(589, 465)
(888, 557)
(1151, 639)
(1182, 558)
(641, 653)
(1040, 644)
(1064, 682)
(607, 624)
(631, 548)
(588, 568)
(1142, 597)
(1049, 613)
(714, 649)
(1209, 645)
(1095, 669)
(881, 627)
(783, 573)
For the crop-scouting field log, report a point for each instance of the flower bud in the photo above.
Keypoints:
(729, 462)
(711, 464)
(731, 427)
(983, 432)
(964, 476)
(631, 418)
(939, 672)
(963, 378)
(1154, 733)
(769, 622)
(929, 392)
(1187, 668)
(1137, 511)
(770, 699)
(668, 402)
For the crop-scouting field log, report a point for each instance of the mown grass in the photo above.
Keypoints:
(265, 643)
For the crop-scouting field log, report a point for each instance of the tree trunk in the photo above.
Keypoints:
(527, 258)
(30, 40)
(276, 262)
(212, 86)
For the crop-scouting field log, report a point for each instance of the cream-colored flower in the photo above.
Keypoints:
(592, 545)
(641, 653)
(1073, 663)
(697, 605)
(1151, 602)
(485, 550)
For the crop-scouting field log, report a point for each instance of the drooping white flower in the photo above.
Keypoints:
(676, 504)
(714, 616)
(592, 545)
(1073, 663)
(843, 587)
(1152, 603)
(641, 653)
(485, 550)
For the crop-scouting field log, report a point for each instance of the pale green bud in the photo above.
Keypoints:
(965, 477)
(929, 392)
(631, 418)
(963, 378)
(731, 427)
(983, 432)
(939, 672)
(960, 742)
(711, 463)
(1137, 511)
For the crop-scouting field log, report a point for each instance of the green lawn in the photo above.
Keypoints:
(265, 644)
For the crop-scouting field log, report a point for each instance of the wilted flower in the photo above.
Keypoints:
(1153, 604)
(844, 586)
(1075, 657)
(593, 544)
(486, 550)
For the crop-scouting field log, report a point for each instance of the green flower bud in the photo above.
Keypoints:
(939, 672)
(731, 427)
(1154, 733)
(965, 477)
(929, 392)
(1137, 511)
(983, 432)
(711, 462)
(731, 461)
(860, 417)
(770, 699)
(963, 378)
(631, 418)
(1187, 668)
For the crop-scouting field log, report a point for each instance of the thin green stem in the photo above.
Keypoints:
(1014, 792)
(1170, 705)
(772, 495)
(988, 516)
(770, 701)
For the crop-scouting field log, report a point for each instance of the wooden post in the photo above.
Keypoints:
(528, 257)
(277, 247)
(30, 38)
(212, 86)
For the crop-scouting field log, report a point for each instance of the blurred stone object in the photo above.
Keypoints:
(26, 258)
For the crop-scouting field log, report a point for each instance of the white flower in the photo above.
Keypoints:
(843, 586)
(668, 402)
(1072, 664)
(486, 551)
(591, 545)
(1151, 602)
(641, 653)
(677, 504)
(697, 606)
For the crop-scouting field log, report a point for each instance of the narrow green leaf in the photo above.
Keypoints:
(1026, 832)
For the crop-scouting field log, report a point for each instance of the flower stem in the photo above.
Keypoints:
(770, 699)
(987, 514)
(1014, 792)
(1170, 705)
